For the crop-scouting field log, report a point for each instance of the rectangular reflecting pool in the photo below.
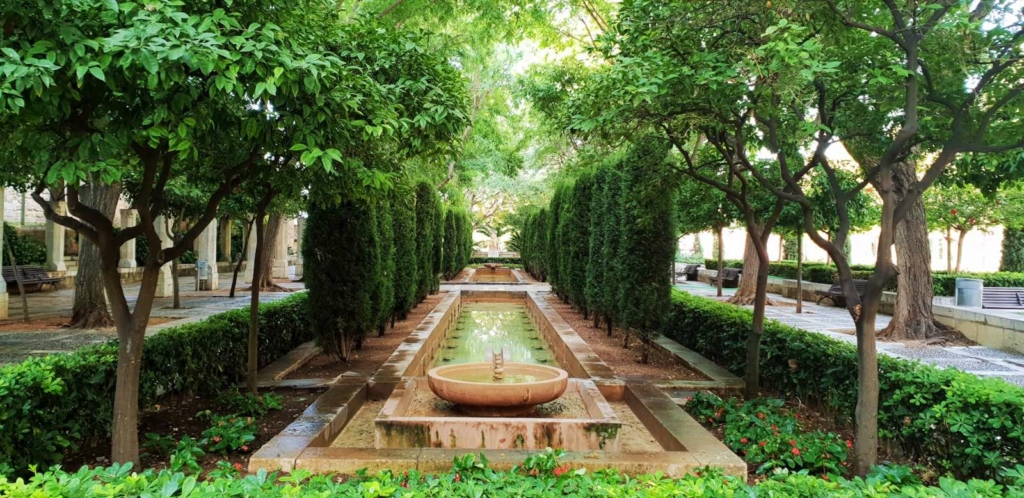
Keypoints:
(482, 327)
(496, 276)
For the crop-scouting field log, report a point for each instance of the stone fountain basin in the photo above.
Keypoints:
(447, 383)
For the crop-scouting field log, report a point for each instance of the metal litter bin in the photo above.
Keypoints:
(203, 275)
(968, 292)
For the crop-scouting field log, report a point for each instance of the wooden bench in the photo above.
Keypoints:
(730, 278)
(835, 293)
(1005, 298)
(32, 277)
(691, 272)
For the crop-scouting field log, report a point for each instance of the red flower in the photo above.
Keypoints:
(744, 440)
(458, 478)
(238, 467)
(796, 451)
(760, 415)
(405, 484)
(561, 470)
(774, 428)
(216, 439)
(762, 443)
(849, 444)
(824, 476)
(533, 472)
(792, 442)
(952, 212)
(245, 448)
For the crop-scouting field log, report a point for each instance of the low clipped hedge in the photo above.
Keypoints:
(954, 421)
(945, 283)
(51, 404)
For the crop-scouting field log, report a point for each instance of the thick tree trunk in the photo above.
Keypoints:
(960, 248)
(89, 309)
(912, 318)
(865, 451)
(238, 265)
(747, 291)
(267, 241)
(721, 259)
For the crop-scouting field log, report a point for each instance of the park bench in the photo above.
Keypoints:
(835, 293)
(1005, 298)
(691, 272)
(730, 278)
(32, 277)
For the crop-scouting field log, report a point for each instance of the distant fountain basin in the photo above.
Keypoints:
(474, 389)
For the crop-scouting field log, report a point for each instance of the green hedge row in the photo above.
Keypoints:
(944, 283)
(953, 421)
(54, 403)
(27, 251)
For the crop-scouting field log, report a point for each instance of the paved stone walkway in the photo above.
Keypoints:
(16, 345)
(837, 323)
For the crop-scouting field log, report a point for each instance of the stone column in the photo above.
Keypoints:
(298, 245)
(206, 249)
(3, 255)
(164, 282)
(225, 241)
(55, 241)
(128, 219)
(250, 257)
(281, 249)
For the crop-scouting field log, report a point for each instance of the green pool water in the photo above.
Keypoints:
(484, 326)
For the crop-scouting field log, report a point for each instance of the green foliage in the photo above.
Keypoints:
(437, 245)
(541, 475)
(403, 216)
(27, 251)
(341, 255)
(647, 242)
(229, 433)
(41, 399)
(1013, 250)
(384, 291)
(504, 261)
(574, 242)
(949, 420)
(532, 245)
(458, 241)
(613, 230)
(959, 207)
(770, 436)
(249, 404)
(426, 203)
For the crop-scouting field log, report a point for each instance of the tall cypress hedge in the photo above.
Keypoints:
(384, 302)
(612, 220)
(1013, 250)
(450, 254)
(551, 247)
(403, 216)
(343, 271)
(437, 247)
(426, 203)
(647, 243)
(576, 240)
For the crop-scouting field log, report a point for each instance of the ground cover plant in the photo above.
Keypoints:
(541, 475)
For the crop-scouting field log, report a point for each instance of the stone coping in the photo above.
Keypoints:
(687, 446)
(720, 377)
(288, 363)
(576, 357)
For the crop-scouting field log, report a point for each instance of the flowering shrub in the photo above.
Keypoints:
(230, 433)
(766, 433)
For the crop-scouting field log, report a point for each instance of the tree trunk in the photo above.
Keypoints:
(17, 276)
(960, 248)
(608, 322)
(799, 271)
(949, 249)
(721, 258)
(125, 444)
(89, 309)
(268, 241)
(912, 318)
(865, 451)
(175, 284)
(753, 374)
(238, 265)
(747, 290)
(254, 302)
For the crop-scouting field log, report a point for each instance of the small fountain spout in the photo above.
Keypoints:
(498, 360)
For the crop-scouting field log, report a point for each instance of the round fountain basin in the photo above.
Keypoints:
(473, 388)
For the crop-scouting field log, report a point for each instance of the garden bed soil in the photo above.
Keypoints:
(375, 351)
(624, 362)
(176, 417)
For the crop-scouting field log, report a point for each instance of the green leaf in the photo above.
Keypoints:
(111, 4)
(97, 73)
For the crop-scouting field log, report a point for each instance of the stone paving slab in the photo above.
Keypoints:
(837, 324)
(17, 345)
